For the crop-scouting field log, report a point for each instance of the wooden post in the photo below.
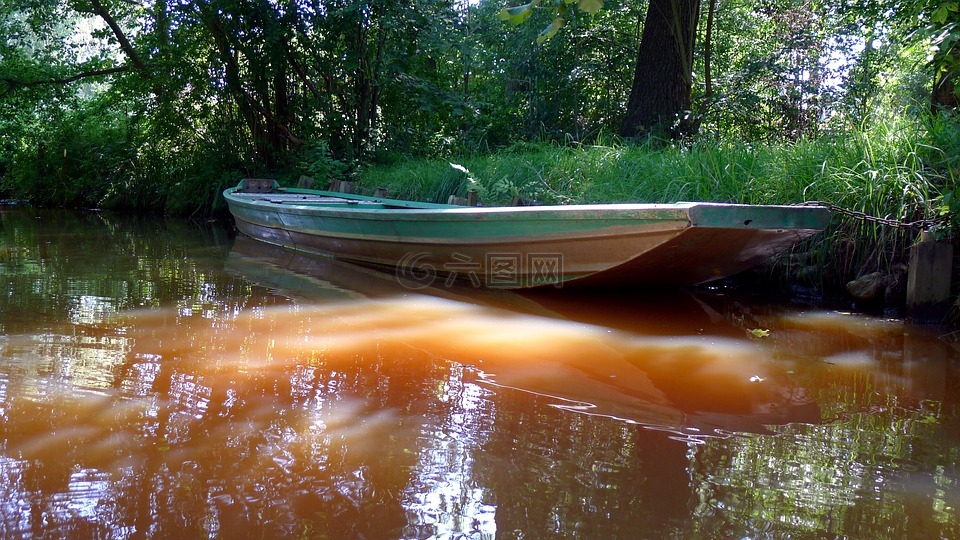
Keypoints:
(928, 279)
(382, 193)
(347, 187)
(472, 197)
(334, 185)
(305, 182)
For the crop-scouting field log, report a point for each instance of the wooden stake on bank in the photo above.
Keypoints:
(928, 279)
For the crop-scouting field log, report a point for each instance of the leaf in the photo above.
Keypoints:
(940, 15)
(517, 14)
(551, 30)
(590, 6)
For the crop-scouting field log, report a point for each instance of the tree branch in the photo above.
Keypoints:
(13, 84)
(302, 75)
(125, 44)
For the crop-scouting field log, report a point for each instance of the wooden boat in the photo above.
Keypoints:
(517, 247)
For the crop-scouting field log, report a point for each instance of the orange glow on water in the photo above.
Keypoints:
(604, 371)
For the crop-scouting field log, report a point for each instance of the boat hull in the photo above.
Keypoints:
(522, 247)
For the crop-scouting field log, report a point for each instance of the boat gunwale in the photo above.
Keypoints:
(350, 203)
(814, 217)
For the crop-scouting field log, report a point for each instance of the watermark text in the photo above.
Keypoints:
(501, 270)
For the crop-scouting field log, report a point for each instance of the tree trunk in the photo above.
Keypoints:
(944, 95)
(661, 97)
(708, 52)
(162, 29)
(367, 88)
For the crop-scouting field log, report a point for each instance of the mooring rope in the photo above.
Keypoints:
(920, 224)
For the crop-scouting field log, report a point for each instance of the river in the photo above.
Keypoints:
(165, 378)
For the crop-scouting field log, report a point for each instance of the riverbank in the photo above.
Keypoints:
(886, 185)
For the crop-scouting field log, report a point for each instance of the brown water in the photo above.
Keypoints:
(162, 379)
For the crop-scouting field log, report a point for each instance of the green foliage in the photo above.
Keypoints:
(942, 28)
(943, 131)
(517, 15)
(213, 90)
(318, 162)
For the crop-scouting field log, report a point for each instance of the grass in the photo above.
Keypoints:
(890, 172)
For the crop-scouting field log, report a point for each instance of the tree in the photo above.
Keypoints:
(662, 84)
(661, 94)
(944, 28)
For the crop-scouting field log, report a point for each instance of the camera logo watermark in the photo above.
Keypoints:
(422, 269)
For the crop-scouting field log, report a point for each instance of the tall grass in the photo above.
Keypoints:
(895, 172)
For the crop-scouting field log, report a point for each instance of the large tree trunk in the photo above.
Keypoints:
(661, 93)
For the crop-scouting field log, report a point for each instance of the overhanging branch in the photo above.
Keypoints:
(125, 44)
(13, 84)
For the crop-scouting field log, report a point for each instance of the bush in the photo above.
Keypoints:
(317, 162)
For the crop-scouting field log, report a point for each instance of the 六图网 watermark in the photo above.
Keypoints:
(503, 270)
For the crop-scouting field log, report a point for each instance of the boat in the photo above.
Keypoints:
(518, 247)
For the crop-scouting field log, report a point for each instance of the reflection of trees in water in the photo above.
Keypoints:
(883, 464)
(514, 464)
(887, 471)
(575, 475)
(51, 259)
(343, 450)
(178, 424)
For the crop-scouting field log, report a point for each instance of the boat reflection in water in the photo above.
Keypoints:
(692, 385)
